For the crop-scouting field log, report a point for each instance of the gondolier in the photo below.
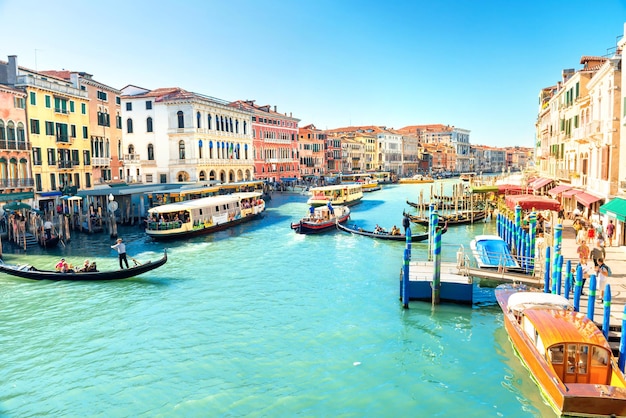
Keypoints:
(121, 252)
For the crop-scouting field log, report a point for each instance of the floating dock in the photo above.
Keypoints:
(455, 287)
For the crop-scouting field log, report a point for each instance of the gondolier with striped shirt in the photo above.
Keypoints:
(121, 252)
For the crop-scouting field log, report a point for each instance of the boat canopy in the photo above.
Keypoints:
(204, 202)
(523, 300)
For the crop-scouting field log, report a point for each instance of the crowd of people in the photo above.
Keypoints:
(592, 237)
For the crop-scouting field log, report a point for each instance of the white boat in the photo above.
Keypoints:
(341, 194)
(204, 215)
(491, 251)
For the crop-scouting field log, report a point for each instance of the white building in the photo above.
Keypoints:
(171, 135)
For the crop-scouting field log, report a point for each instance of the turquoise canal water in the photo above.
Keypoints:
(257, 321)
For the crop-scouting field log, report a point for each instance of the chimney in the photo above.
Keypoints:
(12, 70)
(274, 108)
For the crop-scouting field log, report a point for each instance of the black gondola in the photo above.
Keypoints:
(385, 235)
(452, 219)
(29, 272)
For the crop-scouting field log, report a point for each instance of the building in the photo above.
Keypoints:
(16, 179)
(172, 135)
(105, 121)
(275, 142)
(311, 152)
(58, 121)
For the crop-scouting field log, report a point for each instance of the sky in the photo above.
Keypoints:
(476, 64)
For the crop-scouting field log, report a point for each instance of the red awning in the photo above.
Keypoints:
(529, 201)
(540, 182)
(571, 192)
(509, 189)
(587, 199)
(559, 189)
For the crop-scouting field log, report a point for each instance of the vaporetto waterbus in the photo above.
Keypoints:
(341, 194)
(204, 215)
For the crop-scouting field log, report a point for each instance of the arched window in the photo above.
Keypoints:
(10, 132)
(209, 122)
(150, 152)
(181, 119)
(181, 150)
(149, 125)
(3, 135)
(198, 117)
(131, 149)
(3, 170)
(107, 149)
(231, 124)
(237, 126)
(210, 149)
(202, 176)
(129, 125)
(221, 123)
(20, 133)
(200, 149)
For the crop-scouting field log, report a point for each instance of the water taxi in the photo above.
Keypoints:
(322, 218)
(341, 194)
(467, 176)
(418, 178)
(204, 215)
(566, 353)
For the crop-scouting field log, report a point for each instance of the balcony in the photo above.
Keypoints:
(100, 161)
(14, 145)
(62, 111)
(63, 138)
(17, 183)
(57, 87)
(65, 164)
(131, 158)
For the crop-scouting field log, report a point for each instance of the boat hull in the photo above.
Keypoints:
(320, 223)
(34, 274)
(385, 236)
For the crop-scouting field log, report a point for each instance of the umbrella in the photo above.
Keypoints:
(17, 206)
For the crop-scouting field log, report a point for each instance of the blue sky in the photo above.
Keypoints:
(477, 65)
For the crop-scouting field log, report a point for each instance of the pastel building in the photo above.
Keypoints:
(16, 179)
(58, 129)
(173, 135)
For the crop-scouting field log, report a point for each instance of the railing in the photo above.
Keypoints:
(60, 87)
(14, 145)
(100, 161)
(131, 157)
(65, 164)
(63, 138)
(163, 226)
(24, 182)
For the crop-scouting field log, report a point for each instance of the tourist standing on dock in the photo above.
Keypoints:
(121, 252)
(583, 253)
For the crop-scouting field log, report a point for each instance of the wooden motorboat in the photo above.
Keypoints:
(340, 194)
(30, 272)
(451, 219)
(418, 178)
(322, 219)
(567, 354)
(354, 229)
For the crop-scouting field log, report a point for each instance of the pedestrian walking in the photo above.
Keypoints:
(610, 230)
(121, 252)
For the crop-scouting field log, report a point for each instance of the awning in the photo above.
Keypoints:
(571, 192)
(615, 208)
(539, 183)
(587, 199)
(529, 202)
(559, 189)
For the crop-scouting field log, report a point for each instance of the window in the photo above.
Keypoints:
(73, 131)
(86, 157)
(150, 152)
(87, 179)
(85, 132)
(149, 178)
(129, 106)
(52, 159)
(163, 178)
(49, 128)
(129, 125)
(60, 105)
(149, 125)
(53, 181)
(209, 122)
(36, 156)
(103, 119)
(34, 126)
(118, 100)
(38, 182)
(2, 131)
(33, 98)
(181, 119)
(181, 150)
(198, 118)
(83, 108)
(61, 132)
(72, 106)
(20, 103)
(118, 122)
(148, 104)
(48, 98)
(102, 95)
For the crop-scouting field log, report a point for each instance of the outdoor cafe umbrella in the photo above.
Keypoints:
(16, 206)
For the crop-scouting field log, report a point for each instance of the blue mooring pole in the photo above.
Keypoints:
(606, 318)
(405, 268)
(578, 288)
(546, 274)
(437, 263)
(568, 278)
(591, 301)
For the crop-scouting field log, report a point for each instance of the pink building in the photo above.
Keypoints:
(275, 142)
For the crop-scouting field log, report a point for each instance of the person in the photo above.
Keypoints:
(93, 267)
(62, 266)
(610, 230)
(47, 227)
(581, 235)
(312, 211)
(583, 253)
(330, 208)
(577, 212)
(406, 222)
(596, 254)
(121, 252)
(85, 266)
(591, 234)
(561, 215)
(603, 276)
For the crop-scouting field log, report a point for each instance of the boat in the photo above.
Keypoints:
(567, 355)
(51, 242)
(354, 229)
(30, 272)
(322, 219)
(203, 216)
(369, 185)
(460, 218)
(340, 194)
(491, 251)
(467, 176)
(418, 178)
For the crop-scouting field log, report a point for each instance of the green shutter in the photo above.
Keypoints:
(48, 101)
(72, 106)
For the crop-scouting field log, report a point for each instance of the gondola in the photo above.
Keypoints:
(29, 272)
(51, 242)
(452, 219)
(385, 235)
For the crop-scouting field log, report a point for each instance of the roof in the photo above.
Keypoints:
(616, 208)
(561, 326)
(204, 202)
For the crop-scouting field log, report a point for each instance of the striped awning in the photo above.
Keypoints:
(615, 208)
